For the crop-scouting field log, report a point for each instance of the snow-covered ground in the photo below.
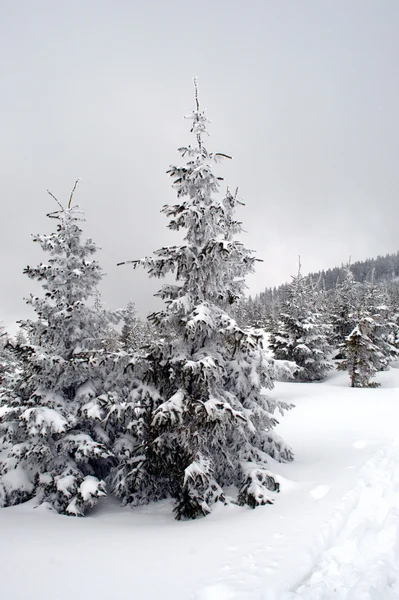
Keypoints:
(332, 532)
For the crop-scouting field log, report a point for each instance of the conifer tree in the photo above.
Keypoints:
(136, 334)
(129, 326)
(20, 338)
(362, 356)
(393, 300)
(199, 419)
(302, 332)
(386, 332)
(344, 303)
(109, 337)
(8, 361)
(3, 353)
(54, 445)
(370, 346)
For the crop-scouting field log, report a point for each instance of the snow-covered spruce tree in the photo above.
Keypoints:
(4, 356)
(135, 334)
(109, 339)
(370, 346)
(55, 445)
(8, 361)
(362, 355)
(386, 332)
(393, 300)
(302, 333)
(200, 419)
(129, 326)
(20, 338)
(345, 300)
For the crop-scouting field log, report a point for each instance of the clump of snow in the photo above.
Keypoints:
(89, 488)
(41, 419)
(86, 390)
(66, 484)
(17, 479)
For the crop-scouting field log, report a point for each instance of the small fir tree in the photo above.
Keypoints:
(199, 418)
(393, 300)
(20, 338)
(54, 444)
(370, 346)
(136, 334)
(109, 338)
(8, 361)
(302, 332)
(376, 301)
(3, 354)
(344, 302)
(362, 356)
(129, 326)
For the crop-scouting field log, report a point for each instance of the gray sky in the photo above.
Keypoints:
(304, 94)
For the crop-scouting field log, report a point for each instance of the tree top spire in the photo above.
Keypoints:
(56, 214)
(198, 117)
(196, 92)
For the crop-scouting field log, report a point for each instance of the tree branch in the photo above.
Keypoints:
(56, 199)
(73, 191)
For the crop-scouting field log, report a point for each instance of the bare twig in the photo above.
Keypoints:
(128, 262)
(56, 199)
(55, 214)
(72, 193)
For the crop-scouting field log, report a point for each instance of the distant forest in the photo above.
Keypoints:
(382, 269)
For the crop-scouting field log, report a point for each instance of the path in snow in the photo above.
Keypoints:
(312, 550)
(356, 556)
(362, 561)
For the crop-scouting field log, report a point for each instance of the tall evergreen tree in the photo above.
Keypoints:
(199, 419)
(302, 333)
(53, 444)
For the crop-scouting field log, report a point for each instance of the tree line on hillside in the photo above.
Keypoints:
(95, 401)
(354, 326)
(383, 270)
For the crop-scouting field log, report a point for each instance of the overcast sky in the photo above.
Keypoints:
(304, 94)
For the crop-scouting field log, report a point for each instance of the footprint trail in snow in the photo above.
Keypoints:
(361, 562)
(356, 556)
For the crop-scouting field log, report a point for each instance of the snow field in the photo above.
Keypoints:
(335, 430)
(332, 527)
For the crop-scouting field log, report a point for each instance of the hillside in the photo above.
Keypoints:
(383, 269)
